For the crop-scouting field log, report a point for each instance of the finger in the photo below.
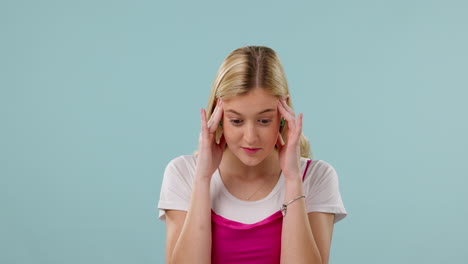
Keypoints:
(212, 121)
(299, 124)
(279, 142)
(289, 118)
(283, 111)
(203, 120)
(281, 139)
(216, 117)
(299, 121)
(287, 107)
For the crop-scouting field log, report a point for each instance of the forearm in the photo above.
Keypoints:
(297, 240)
(194, 242)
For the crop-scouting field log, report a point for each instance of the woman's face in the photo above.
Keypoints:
(251, 125)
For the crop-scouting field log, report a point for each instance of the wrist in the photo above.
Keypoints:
(284, 207)
(202, 177)
(294, 188)
(292, 176)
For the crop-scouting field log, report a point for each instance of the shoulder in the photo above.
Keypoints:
(181, 167)
(177, 184)
(183, 161)
(317, 165)
(322, 190)
(322, 166)
(319, 171)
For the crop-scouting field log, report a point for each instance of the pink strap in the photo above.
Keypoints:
(305, 171)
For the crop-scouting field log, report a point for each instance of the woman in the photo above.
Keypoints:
(250, 194)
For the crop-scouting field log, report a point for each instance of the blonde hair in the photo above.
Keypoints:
(245, 69)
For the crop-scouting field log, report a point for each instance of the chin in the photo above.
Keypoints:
(250, 161)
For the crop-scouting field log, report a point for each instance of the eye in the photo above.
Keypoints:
(236, 122)
(264, 121)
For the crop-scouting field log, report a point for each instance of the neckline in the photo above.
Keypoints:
(228, 194)
(238, 225)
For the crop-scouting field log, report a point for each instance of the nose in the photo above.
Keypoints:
(250, 134)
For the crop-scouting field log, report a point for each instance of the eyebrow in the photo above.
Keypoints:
(259, 113)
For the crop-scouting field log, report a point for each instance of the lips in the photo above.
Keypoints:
(251, 150)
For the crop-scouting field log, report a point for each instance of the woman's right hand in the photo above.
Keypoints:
(210, 153)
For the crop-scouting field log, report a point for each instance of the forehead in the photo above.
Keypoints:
(252, 102)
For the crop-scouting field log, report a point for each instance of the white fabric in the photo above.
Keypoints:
(321, 188)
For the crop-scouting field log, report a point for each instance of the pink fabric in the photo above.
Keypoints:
(257, 243)
(307, 166)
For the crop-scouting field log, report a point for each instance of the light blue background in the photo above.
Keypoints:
(97, 96)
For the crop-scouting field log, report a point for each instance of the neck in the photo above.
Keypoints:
(232, 166)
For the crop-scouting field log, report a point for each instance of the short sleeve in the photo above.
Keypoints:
(322, 190)
(176, 186)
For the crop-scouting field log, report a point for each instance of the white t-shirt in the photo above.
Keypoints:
(321, 189)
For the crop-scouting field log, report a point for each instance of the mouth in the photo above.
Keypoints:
(251, 150)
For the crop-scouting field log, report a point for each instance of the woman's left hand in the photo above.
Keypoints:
(290, 152)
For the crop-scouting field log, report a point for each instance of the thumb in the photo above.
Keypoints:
(279, 141)
(280, 138)
(222, 142)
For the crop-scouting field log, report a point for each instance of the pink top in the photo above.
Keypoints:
(257, 243)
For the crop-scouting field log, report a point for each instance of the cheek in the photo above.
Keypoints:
(229, 133)
(270, 135)
(274, 137)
